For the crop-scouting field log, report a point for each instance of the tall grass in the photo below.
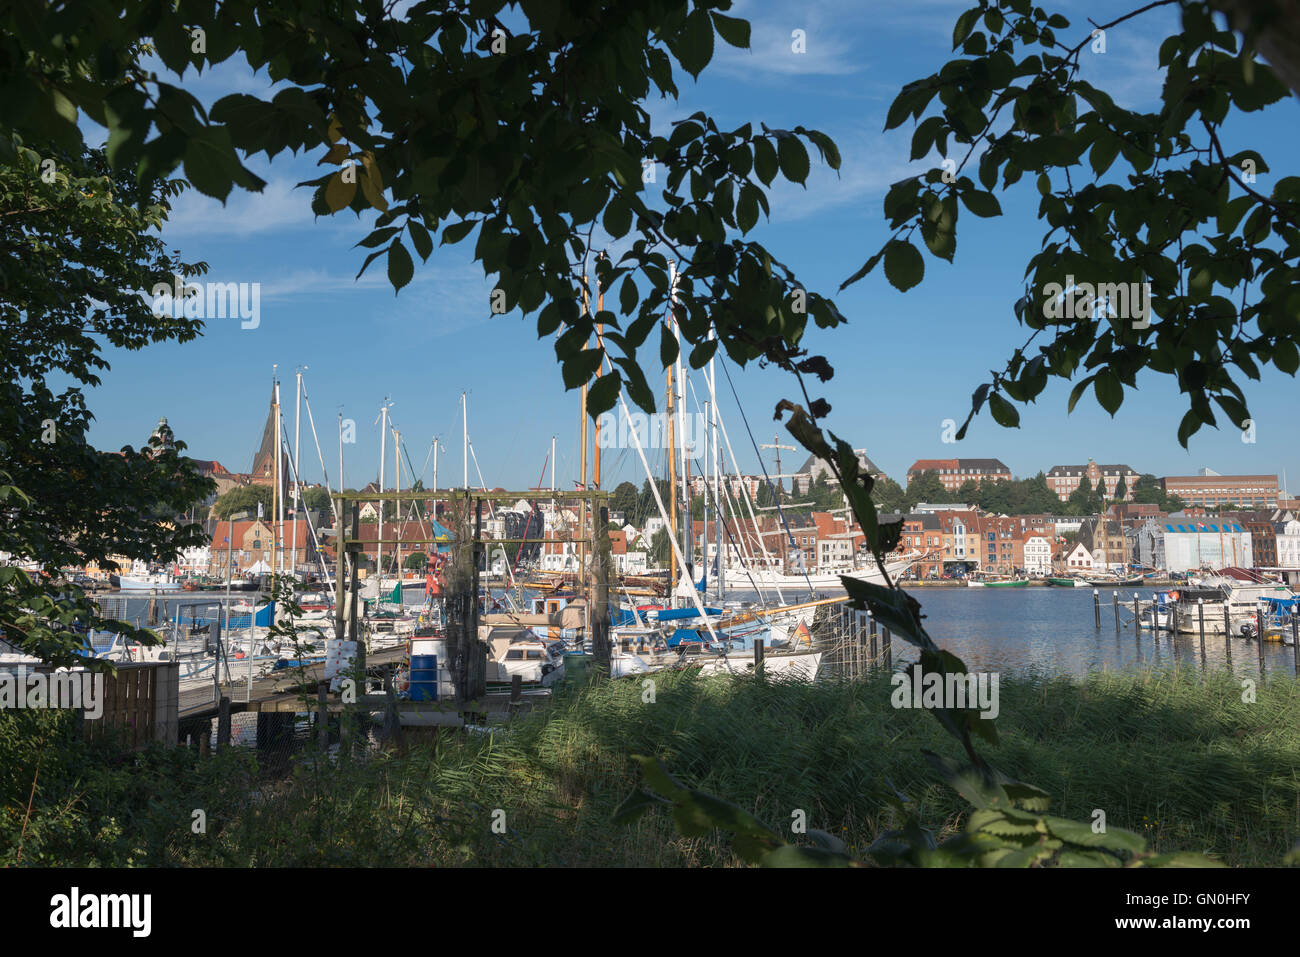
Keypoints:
(1174, 755)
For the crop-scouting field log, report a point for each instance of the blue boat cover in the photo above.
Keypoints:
(684, 636)
(674, 614)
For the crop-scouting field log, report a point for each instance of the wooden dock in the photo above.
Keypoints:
(297, 690)
(280, 691)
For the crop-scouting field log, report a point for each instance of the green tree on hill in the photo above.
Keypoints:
(244, 498)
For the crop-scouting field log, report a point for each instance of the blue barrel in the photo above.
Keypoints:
(424, 677)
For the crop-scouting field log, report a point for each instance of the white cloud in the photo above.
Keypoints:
(278, 208)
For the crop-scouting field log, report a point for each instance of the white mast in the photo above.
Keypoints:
(464, 418)
(680, 386)
(717, 480)
(383, 450)
(277, 516)
(397, 505)
(297, 468)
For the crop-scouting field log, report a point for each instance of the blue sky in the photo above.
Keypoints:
(905, 362)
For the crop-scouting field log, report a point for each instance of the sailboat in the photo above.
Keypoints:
(714, 638)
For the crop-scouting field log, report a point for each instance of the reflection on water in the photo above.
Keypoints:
(1052, 631)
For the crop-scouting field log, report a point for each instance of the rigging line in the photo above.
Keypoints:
(321, 456)
(320, 558)
(775, 498)
(747, 499)
(491, 511)
(420, 522)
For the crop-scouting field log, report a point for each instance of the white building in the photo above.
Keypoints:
(1191, 544)
(1038, 555)
(1080, 559)
(1288, 544)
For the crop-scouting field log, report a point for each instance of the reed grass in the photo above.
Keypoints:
(1174, 755)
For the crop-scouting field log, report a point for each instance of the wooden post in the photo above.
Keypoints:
(1114, 598)
(354, 628)
(598, 611)
(516, 688)
(1137, 616)
(339, 566)
(223, 723)
(392, 722)
(1200, 615)
(478, 658)
(758, 656)
(1259, 636)
(322, 717)
(1295, 638)
(889, 650)
(1227, 623)
(1096, 607)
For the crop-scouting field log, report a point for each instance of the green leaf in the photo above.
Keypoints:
(1004, 413)
(904, 266)
(420, 238)
(1109, 390)
(400, 267)
(869, 265)
(981, 203)
(732, 29)
(794, 159)
(339, 192)
(603, 393)
(790, 855)
(668, 347)
(634, 805)
(694, 43)
(765, 161)
(628, 295)
(457, 231)
(210, 161)
(965, 23)
(1103, 153)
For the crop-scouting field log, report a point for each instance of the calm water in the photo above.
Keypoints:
(1052, 631)
(1043, 631)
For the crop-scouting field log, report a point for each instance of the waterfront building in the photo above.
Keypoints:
(1192, 543)
(1287, 536)
(1146, 542)
(1038, 553)
(1079, 560)
(1105, 540)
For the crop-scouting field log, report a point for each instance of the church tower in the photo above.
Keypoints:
(263, 471)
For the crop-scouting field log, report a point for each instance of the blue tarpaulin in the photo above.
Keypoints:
(684, 635)
(674, 614)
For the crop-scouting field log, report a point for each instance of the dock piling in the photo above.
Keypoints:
(1259, 636)
(1114, 599)
(1096, 607)
(1200, 614)
(1137, 616)
(223, 723)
